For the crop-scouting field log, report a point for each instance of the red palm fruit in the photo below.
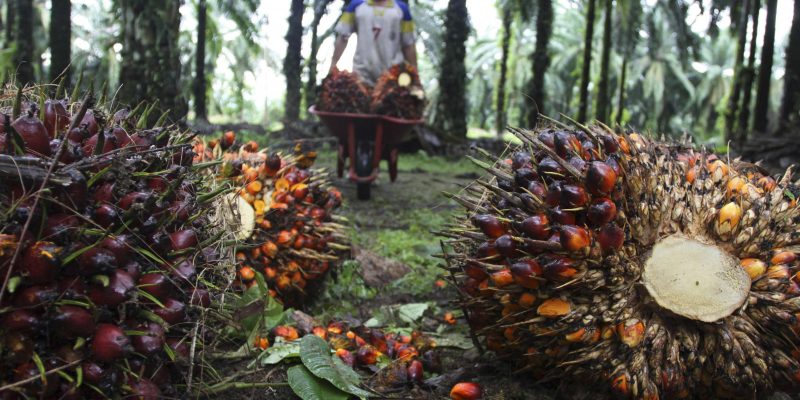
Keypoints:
(152, 341)
(558, 215)
(367, 355)
(287, 332)
(90, 145)
(610, 144)
(489, 225)
(93, 372)
(601, 211)
(121, 246)
(536, 226)
(559, 269)
(56, 117)
(227, 139)
(96, 260)
(40, 262)
(466, 391)
(525, 273)
(783, 257)
(117, 292)
(105, 215)
(21, 320)
(346, 357)
(566, 143)
(475, 271)
(104, 193)
(184, 270)
(33, 134)
(200, 298)
(134, 198)
(611, 237)
(73, 321)
(109, 343)
(537, 189)
(548, 138)
(573, 196)
(553, 196)
(143, 389)
(41, 388)
(320, 332)
(578, 163)
(17, 347)
(59, 226)
(180, 347)
(156, 284)
(575, 238)
(502, 278)
(34, 296)
(487, 250)
(173, 312)
(121, 136)
(273, 164)
(524, 176)
(600, 178)
(520, 159)
(506, 246)
(183, 239)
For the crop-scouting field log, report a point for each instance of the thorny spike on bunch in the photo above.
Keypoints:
(648, 242)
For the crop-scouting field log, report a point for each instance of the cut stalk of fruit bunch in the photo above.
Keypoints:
(649, 269)
(99, 254)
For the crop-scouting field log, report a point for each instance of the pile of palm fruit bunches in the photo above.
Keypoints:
(293, 236)
(104, 255)
(651, 269)
(397, 93)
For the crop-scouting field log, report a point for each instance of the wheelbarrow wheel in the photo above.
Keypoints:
(363, 168)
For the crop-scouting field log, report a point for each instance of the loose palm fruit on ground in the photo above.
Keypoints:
(466, 391)
(649, 269)
(344, 92)
(398, 93)
(99, 269)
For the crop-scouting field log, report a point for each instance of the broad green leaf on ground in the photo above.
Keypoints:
(278, 353)
(316, 356)
(410, 313)
(456, 340)
(309, 387)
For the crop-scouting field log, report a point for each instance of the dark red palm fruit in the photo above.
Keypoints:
(121, 246)
(90, 145)
(73, 321)
(121, 137)
(562, 217)
(548, 138)
(104, 193)
(273, 162)
(143, 140)
(600, 178)
(575, 238)
(173, 312)
(415, 372)
(134, 198)
(34, 296)
(122, 117)
(96, 260)
(489, 225)
(120, 286)
(537, 189)
(93, 372)
(33, 134)
(56, 117)
(573, 196)
(22, 320)
(614, 164)
(506, 246)
(601, 211)
(17, 347)
(475, 271)
(152, 341)
(157, 184)
(548, 167)
(200, 298)
(183, 239)
(578, 163)
(60, 226)
(157, 372)
(520, 159)
(610, 144)
(143, 389)
(589, 149)
(566, 144)
(536, 226)
(553, 196)
(559, 269)
(367, 355)
(181, 209)
(611, 237)
(71, 287)
(156, 284)
(37, 387)
(72, 151)
(89, 122)
(524, 273)
(183, 270)
(109, 343)
(180, 347)
(66, 354)
(303, 175)
(40, 262)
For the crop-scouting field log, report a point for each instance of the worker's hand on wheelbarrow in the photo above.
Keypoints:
(417, 91)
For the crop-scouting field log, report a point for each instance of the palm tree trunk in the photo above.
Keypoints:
(452, 115)
(765, 71)
(151, 65)
(790, 105)
(587, 60)
(601, 112)
(748, 78)
(23, 56)
(60, 39)
(500, 119)
(291, 64)
(320, 7)
(11, 20)
(621, 96)
(200, 101)
(736, 88)
(541, 59)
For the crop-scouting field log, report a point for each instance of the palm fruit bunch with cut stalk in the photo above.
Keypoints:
(343, 92)
(398, 93)
(395, 359)
(291, 235)
(649, 268)
(100, 254)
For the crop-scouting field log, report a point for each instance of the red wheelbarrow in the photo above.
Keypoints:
(366, 139)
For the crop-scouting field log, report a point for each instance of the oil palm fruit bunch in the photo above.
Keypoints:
(294, 237)
(649, 268)
(398, 93)
(100, 254)
(344, 92)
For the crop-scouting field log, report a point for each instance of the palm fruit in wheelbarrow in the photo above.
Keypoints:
(398, 93)
(295, 236)
(650, 269)
(343, 92)
(99, 266)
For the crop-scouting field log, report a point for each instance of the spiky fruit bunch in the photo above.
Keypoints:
(100, 259)
(344, 92)
(293, 237)
(398, 93)
(652, 269)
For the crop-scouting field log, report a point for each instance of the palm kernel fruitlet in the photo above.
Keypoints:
(649, 269)
(466, 391)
